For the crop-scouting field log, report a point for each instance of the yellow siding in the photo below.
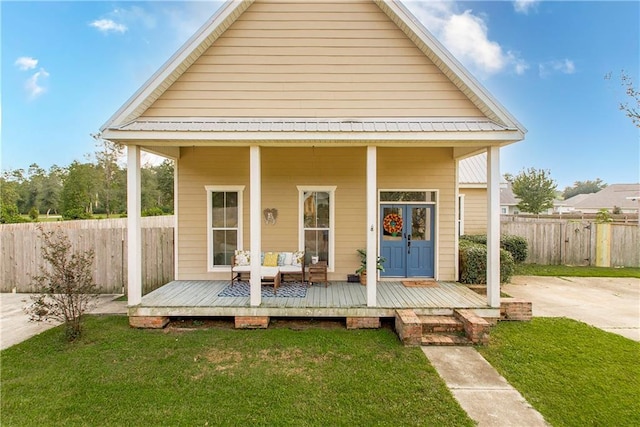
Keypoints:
(283, 169)
(475, 210)
(432, 169)
(199, 167)
(303, 59)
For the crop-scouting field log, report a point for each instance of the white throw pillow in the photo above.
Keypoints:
(243, 257)
(288, 258)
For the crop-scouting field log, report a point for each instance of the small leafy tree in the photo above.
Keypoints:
(34, 213)
(603, 216)
(535, 189)
(66, 288)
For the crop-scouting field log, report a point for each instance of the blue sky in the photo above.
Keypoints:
(67, 66)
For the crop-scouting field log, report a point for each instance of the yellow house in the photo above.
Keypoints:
(323, 127)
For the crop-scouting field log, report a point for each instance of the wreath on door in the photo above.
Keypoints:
(392, 224)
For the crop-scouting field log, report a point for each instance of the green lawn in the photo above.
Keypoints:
(119, 376)
(579, 271)
(572, 373)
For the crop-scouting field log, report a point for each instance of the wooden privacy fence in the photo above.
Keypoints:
(577, 242)
(21, 251)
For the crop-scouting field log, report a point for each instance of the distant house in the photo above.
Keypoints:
(613, 197)
(508, 200)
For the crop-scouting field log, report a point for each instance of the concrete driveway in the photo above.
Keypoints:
(15, 326)
(606, 303)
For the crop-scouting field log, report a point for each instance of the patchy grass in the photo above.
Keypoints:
(579, 271)
(116, 375)
(572, 373)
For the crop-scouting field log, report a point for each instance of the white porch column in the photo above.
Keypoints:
(134, 233)
(493, 226)
(255, 203)
(372, 225)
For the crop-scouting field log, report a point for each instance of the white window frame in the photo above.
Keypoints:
(332, 222)
(210, 189)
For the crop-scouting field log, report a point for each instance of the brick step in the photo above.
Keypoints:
(439, 324)
(442, 339)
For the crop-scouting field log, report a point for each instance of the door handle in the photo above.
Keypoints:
(409, 243)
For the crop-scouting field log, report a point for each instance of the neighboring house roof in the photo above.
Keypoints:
(472, 171)
(507, 198)
(614, 195)
(498, 119)
(571, 201)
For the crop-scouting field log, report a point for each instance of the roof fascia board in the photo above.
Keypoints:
(499, 137)
(226, 14)
(414, 29)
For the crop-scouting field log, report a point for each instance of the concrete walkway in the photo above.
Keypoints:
(15, 326)
(485, 395)
(611, 304)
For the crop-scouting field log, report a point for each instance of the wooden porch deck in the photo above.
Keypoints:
(338, 299)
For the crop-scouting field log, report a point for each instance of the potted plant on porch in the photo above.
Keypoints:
(362, 270)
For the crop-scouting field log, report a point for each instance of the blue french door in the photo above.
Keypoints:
(407, 240)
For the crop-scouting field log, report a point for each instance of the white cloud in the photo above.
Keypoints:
(564, 66)
(133, 16)
(466, 36)
(26, 63)
(108, 25)
(34, 85)
(186, 19)
(524, 6)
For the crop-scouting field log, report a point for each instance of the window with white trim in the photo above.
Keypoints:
(317, 222)
(224, 225)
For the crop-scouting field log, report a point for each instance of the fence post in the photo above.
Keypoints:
(603, 245)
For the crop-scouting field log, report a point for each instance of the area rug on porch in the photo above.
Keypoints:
(424, 283)
(285, 290)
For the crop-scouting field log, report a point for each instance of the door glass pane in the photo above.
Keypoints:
(403, 196)
(225, 242)
(392, 223)
(419, 227)
(316, 243)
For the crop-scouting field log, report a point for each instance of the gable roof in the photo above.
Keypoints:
(614, 195)
(499, 118)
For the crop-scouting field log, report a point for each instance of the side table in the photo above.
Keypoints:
(318, 273)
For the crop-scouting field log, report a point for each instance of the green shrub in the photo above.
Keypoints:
(9, 215)
(473, 263)
(516, 245)
(76, 214)
(34, 213)
(156, 211)
(475, 238)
